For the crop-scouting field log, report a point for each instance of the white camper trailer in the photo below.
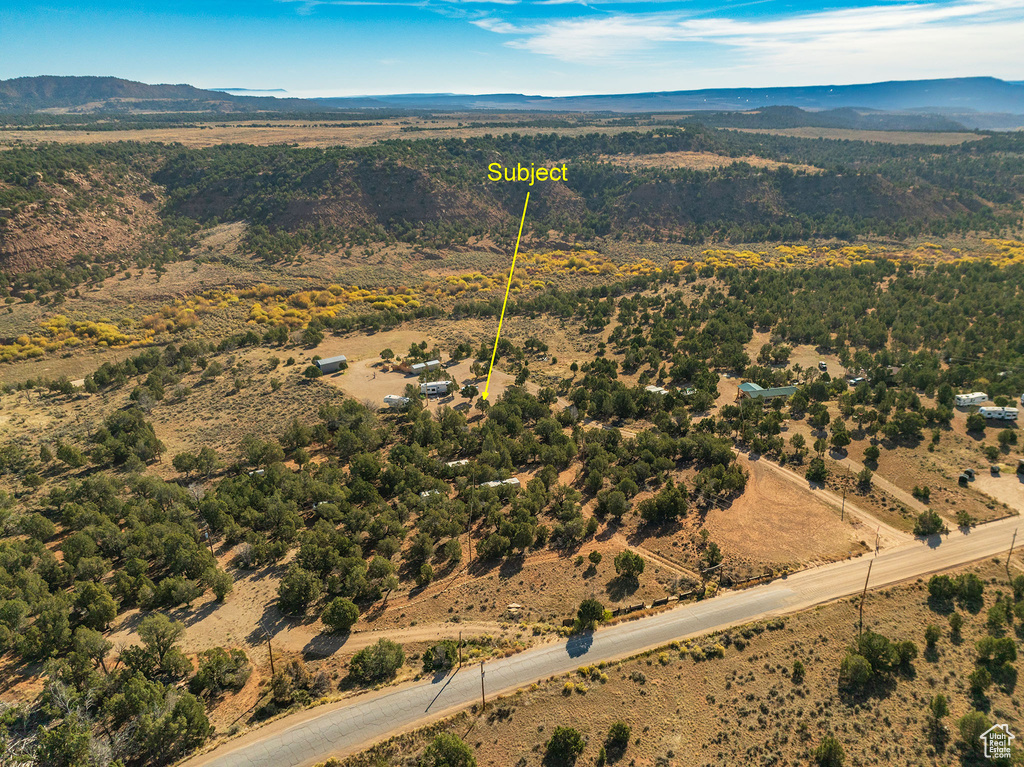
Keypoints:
(999, 413)
(974, 398)
(396, 402)
(433, 388)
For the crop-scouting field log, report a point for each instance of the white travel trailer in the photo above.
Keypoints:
(396, 402)
(432, 388)
(974, 398)
(999, 413)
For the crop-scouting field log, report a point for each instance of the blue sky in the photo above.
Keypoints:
(551, 47)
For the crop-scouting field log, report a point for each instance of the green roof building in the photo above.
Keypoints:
(753, 391)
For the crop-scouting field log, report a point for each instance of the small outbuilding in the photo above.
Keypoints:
(332, 364)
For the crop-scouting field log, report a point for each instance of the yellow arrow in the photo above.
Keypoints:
(504, 303)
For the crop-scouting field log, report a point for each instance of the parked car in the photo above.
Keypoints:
(822, 365)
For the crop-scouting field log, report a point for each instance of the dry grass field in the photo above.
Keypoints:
(697, 161)
(297, 133)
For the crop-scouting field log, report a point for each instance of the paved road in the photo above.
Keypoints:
(313, 736)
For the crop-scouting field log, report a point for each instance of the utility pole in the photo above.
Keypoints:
(270, 647)
(878, 533)
(863, 596)
(1011, 551)
(483, 699)
(842, 511)
(460, 649)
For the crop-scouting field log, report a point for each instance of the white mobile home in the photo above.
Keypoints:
(433, 388)
(999, 413)
(332, 364)
(499, 482)
(418, 368)
(395, 402)
(974, 398)
(656, 390)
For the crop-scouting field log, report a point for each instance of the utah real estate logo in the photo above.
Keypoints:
(997, 741)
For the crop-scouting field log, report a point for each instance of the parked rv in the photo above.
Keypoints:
(974, 398)
(999, 413)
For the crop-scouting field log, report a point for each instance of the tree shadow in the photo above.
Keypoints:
(324, 645)
(190, 617)
(511, 567)
(879, 688)
(621, 586)
(272, 622)
(579, 644)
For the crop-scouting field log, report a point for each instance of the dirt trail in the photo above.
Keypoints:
(885, 485)
(665, 562)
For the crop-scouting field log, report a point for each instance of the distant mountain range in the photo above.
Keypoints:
(971, 101)
(982, 94)
(93, 95)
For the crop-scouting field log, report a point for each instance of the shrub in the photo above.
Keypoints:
(590, 612)
(441, 656)
(298, 590)
(425, 575)
(798, 672)
(629, 564)
(220, 670)
(816, 470)
(932, 633)
(972, 726)
(447, 750)
(855, 672)
(377, 662)
(864, 479)
(929, 523)
(980, 680)
(956, 623)
(829, 753)
(565, 745)
(618, 736)
(340, 615)
(941, 587)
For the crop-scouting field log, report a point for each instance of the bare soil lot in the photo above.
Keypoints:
(776, 522)
(696, 161)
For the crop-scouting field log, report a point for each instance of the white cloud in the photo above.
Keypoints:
(926, 39)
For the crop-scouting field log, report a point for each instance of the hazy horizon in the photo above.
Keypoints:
(312, 48)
